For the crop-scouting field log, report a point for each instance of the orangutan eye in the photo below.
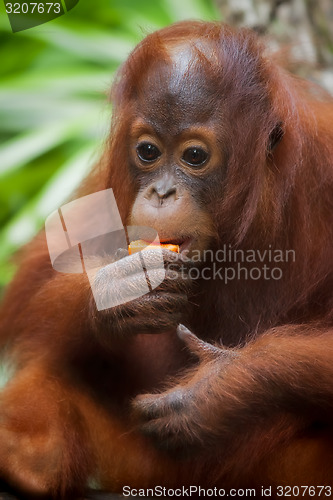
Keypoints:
(147, 152)
(195, 156)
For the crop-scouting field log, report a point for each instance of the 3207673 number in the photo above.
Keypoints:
(33, 7)
(301, 491)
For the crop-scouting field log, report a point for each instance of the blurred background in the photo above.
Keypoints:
(54, 81)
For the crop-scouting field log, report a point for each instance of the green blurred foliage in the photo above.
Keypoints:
(53, 113)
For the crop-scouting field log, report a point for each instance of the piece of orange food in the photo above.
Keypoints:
(138, 245)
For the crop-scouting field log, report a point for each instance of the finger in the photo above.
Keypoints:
(148, 406)
(197, 346)
(152, 305)
(151, 406)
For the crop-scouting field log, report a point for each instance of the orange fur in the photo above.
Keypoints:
(96, 396)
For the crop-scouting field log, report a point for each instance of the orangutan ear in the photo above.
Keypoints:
(275, 137)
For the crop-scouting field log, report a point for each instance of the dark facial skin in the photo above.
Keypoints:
(175, 154)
